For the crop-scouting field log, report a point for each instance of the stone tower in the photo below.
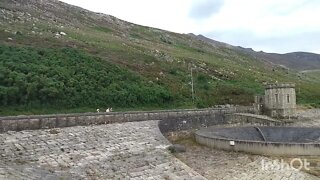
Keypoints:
(280, 100)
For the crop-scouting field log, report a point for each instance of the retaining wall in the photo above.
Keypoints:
(240, 116)
(182, 123)
(253, 119)
(18, 123)
(258, 147)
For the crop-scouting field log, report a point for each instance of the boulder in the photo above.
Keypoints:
(177, 148)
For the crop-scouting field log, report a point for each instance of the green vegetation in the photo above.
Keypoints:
(313, 75)
(105, 62)
(66, 78)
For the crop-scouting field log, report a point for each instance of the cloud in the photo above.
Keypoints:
(306, 41)
(287, 7)
(273, 26)
(205, 8)
(268, 25)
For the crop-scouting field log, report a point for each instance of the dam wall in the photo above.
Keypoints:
(172, 119)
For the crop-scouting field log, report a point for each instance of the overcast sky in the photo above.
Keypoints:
(269, 25)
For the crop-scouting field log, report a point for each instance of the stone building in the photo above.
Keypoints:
(279, 100)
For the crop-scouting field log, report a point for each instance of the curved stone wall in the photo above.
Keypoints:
(265, 141)
(253, 119)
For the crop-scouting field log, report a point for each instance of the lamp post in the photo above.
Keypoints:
(192, 82)
(192, 90)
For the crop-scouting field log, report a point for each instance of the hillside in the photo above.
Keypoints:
(295, 60)
(302, 60)
(313, 75)
(56, 57)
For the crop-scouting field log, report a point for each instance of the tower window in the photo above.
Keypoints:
(277, 98)
(288, 98)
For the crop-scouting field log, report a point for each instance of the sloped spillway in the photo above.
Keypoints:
(262, 140)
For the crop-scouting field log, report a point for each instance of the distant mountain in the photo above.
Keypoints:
(300, 60)
(295, 60)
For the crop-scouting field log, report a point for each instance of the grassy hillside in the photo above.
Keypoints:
(73, 59)
(313, 75)
(297, 60)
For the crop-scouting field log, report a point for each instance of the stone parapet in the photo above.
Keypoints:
(18, 123)
(282, 85)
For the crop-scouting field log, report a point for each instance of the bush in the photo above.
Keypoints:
(70, 78)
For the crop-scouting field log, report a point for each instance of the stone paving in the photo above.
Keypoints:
(134, 150)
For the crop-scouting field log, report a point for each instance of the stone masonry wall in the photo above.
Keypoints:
(18, 123)
(253, 119)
